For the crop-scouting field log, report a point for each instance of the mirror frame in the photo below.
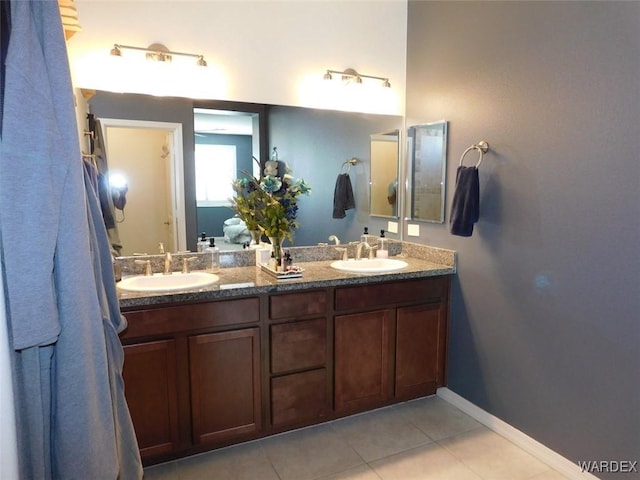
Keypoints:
(415, 162)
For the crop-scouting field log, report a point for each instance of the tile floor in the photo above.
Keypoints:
(423, 439)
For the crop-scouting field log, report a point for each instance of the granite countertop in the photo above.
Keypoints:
(239, 281)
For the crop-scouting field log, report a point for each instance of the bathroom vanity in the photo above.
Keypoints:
(253, 356)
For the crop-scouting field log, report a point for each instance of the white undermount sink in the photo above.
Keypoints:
(369, 265)
(166, 283)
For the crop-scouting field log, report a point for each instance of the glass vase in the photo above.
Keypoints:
(255, 237)
(276, 245)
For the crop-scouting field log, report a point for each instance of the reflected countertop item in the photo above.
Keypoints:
(251, 280)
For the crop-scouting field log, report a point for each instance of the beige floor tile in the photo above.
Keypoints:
(363, 472)
(163, 471)
(492, 456)
(242, 462)
(380, 433)
(310, 453)
(438, 418)
(427, 462)
(549, 475)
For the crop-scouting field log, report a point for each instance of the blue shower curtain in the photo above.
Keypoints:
(62, 312)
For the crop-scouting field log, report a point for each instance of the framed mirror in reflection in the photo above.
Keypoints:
(384, 174)
(427, 147)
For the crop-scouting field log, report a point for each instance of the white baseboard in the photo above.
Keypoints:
(556, 461)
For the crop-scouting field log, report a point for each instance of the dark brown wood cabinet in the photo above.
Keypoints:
(362, 354)
(152, 395)
(224, 371)
(299, 380)
(192, 376)
(205, 375)
(420, 350)
(394, 353)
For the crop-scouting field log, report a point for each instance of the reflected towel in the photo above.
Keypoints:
(465, 209)
(343, 196)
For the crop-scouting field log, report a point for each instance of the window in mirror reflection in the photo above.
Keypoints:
(216, 167)
(428, 155)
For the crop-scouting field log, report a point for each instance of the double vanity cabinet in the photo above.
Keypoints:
(203, 374)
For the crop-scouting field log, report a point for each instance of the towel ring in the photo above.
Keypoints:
(481, 147)
(351, 162)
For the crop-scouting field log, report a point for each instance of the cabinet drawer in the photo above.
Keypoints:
(299, 397)
(162, 321)
(381, 294)
(298, 345)
(293, 305)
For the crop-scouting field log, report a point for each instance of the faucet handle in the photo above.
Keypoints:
(185, 263)
(372, 251)
(147, 266)
(343, 251)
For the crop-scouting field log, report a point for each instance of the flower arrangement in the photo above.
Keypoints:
(269, 203)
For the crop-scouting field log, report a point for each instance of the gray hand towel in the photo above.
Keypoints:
(465, 209)
(343, 196)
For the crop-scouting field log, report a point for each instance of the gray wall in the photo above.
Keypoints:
(545, 329)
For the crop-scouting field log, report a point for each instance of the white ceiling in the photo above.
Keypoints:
(222, 122)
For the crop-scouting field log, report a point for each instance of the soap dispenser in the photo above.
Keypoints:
(202, 242)
(383, 246)
(366, 237)
(214, 261)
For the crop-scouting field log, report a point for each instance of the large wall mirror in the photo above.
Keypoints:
(313, 143)
(384, 174)
(427, 147)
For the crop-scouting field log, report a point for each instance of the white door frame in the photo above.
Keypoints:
(176, 167)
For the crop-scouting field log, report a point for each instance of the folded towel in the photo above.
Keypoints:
(465, 210)
(343, 196)
(236, 231)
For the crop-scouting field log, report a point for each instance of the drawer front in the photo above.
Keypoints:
(299, 397)
(162, 321)
(298, 345)
(293, 305)
(382, 294)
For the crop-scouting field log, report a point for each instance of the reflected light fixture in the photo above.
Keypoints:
(158, 53)
(351, 75)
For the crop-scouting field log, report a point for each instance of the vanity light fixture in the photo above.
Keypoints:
(351, 75)
(158, 53)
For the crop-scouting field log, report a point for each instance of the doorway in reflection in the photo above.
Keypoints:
(147, 156)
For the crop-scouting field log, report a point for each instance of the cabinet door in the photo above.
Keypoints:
(362, 350)
(151, 391)
(419, 350)
(225, 385)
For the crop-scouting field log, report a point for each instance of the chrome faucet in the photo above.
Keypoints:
(359, 249)
(167, 264)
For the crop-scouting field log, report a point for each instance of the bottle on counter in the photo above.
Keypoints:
(202, 242)
(383, 246)
(214, 261)
(367, 237)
